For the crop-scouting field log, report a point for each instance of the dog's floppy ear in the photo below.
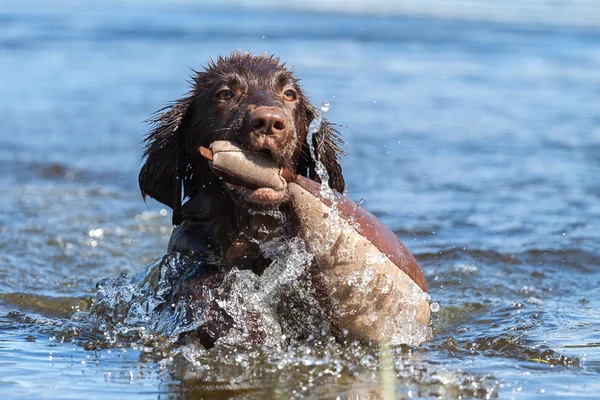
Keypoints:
(165, 156)
(327, 144)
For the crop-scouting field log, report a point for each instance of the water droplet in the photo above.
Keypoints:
(313, 128)
(434, 307)
(96, 233)
(325, 106)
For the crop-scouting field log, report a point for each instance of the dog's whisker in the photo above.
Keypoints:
(223, 129)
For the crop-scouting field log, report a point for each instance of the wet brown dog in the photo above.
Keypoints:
(256, 102)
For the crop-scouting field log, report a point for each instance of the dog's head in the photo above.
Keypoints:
(254, 101)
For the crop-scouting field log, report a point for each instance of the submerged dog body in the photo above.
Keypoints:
(256, 102)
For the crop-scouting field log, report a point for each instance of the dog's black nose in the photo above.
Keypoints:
(267, 121)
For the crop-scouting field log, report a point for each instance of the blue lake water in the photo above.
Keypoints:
(475, 137)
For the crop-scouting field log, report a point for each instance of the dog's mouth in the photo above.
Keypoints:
(264, 197)
(268, 153)
(252, 177)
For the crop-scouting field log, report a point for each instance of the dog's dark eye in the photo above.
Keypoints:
(225, 94)
(290, 95)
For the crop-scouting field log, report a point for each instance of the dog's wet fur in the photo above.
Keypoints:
(256, 102)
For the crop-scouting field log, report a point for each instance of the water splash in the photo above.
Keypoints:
(325, 190)
(313, 129)
(131, 308)
(180, 294)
